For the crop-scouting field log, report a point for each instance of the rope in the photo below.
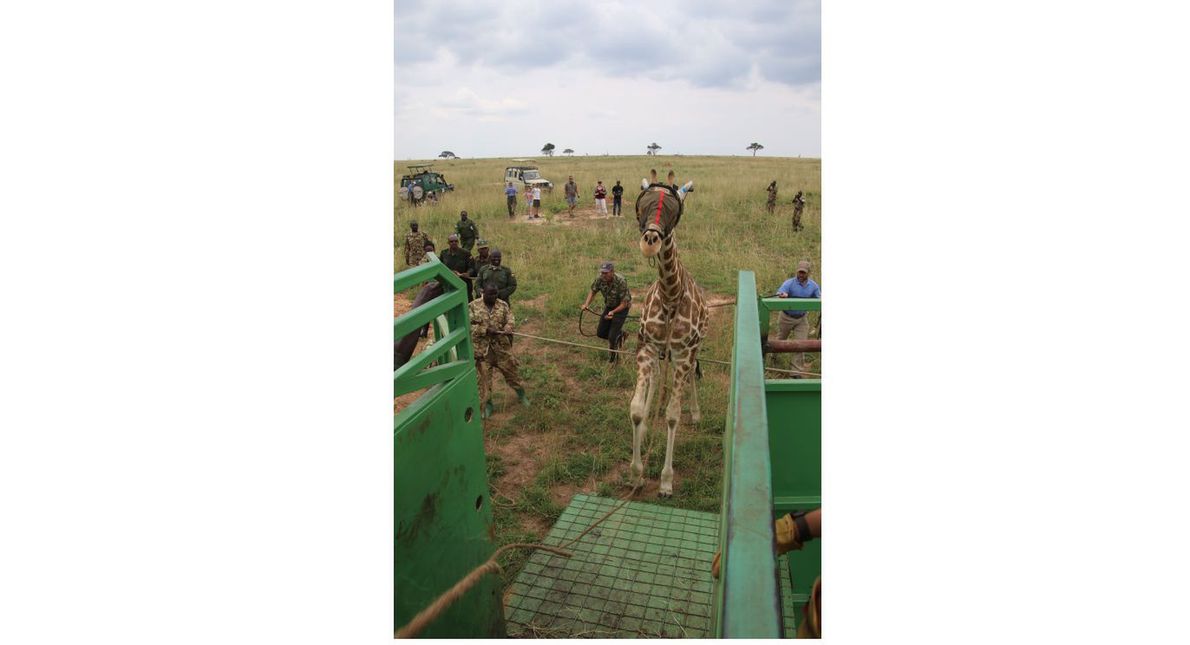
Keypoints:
(428, 615)
(431, 613)
(628, 351)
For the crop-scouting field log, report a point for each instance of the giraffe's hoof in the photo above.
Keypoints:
(665, 495)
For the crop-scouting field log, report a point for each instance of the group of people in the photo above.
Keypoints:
(799, 203)
(600, 191)
(532, 201)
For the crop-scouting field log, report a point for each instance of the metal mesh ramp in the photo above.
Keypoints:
(644, 572)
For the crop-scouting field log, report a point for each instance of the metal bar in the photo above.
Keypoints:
(417, 318)
(793, 346)
(439, 349)
(748, 595)
(432, 270)
(432, 376)
(792, 304)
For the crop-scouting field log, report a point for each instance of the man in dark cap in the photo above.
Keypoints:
(616, 301)
(415, 244)
(498, 275)
(458, 260)
(467, 230)
(795, 321)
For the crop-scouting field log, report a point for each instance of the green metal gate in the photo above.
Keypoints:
(443, 518)
(773, 459)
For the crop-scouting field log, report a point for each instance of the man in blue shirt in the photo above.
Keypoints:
(792, 321)
(510, 193)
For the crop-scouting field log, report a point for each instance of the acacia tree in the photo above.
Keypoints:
(568, 152)
(446, 154)
(754, 147)
(548, 150)
(653, 148)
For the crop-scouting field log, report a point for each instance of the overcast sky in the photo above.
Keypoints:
(500, 79)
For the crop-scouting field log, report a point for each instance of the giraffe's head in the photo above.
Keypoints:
(658, 209)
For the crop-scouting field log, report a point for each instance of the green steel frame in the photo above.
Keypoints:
(443, 524)
(773, 461)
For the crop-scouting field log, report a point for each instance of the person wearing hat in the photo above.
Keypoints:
(571, 194)
(480, 261)
(794, 321)
(491, 327)
(415, 244)
(498, 275)
(616, 301)
(458, 260)
(467, 230)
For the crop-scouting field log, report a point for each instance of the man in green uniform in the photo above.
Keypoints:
(458, 260)
(415, 243)
(480, 261)
(467, 230)
(491, 322)
(616, 301)
(498, 275)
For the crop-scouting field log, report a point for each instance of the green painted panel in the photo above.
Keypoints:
(443, 526)
(747, 596)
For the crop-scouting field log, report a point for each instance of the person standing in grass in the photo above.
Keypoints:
(458, 260)
(467, 230)
(480, 261)
(491, 327)
(415, 243)
(497, 275)
(537, 202)
(600, 197)
(616, 301)
(772, 191)
(571, 194)
(528, 201)
(510, 193)
(617, 196)
(799, 203)
(793, 321)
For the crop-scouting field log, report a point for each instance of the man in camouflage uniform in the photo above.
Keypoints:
(497, 275)
(467, 230)
(799, 203)
(772, 203)
(491, 322)
(458, 260)
(616, 301)
(415, 243)
(480, 261)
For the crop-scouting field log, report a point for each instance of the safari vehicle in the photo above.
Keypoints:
(527, 175)
(422, 182)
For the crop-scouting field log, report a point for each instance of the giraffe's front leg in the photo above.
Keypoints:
(673, 413)
(646, 369)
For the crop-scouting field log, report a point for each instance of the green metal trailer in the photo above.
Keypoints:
(645, 570)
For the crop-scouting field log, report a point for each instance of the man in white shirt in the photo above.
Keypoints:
(537, 202)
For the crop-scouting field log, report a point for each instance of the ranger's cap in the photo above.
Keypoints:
(453, 237)
(413, 223)
(483, 244)
(804, 265)
(606, 267)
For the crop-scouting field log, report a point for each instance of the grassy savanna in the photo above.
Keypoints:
(576, 436)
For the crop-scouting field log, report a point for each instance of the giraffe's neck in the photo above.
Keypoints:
(670, 272)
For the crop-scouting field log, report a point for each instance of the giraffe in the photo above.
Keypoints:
(672, 325)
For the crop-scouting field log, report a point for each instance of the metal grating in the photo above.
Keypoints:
(645, 572)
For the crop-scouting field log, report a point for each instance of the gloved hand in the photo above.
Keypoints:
(787, 540)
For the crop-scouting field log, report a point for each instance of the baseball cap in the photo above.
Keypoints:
(453, 237)
(804, 265)
(483, 243)
(606, 267)
(413, 223)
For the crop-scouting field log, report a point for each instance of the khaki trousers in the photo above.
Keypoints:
(501, 359)
(800, 328)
